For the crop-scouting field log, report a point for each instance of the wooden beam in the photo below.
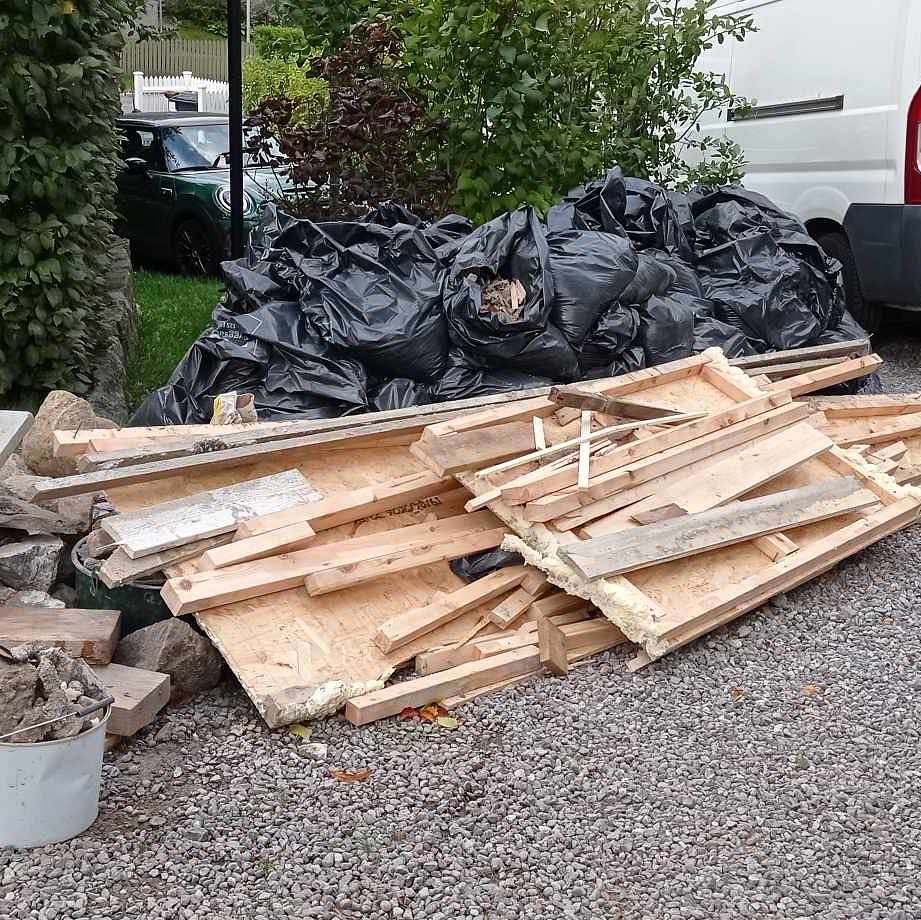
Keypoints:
(121, 569)
(139, 696)
(903, 426)
(577, 397)
(349, 574)
(794, 368)
(827, 377)
(559, 644)
(504, 614)
(88, 634)
(205, 514)
(283, 540)
(402, 629)
(586, 431)
(863, 406)
(653, 544)
(391, 700)
(470, 450)
(850, 349)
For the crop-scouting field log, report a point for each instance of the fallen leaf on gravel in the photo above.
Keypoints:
(736, 693)
(447, 722)
(410, 712)
(351, 776)
(432, 712)
(299, 730)
(810, 690)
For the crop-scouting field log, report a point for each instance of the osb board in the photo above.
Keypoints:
(300, 657)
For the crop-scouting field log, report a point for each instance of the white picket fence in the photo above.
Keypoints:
(149, 92)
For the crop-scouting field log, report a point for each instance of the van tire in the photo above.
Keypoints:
(869, 315)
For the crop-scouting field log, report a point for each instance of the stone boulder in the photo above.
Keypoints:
(31, 563)
(60, 411)
(31, 598)
(173, 647)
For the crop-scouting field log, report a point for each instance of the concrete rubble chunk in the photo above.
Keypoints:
(31, 563)
(173, 647)
(60, 411)
(32, 598)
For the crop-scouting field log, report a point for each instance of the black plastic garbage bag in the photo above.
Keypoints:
(667, 327)
(463, 380)
(478, 565)
(513, 247)
(731, 212)
(590, 269)
(630, 359)
(686, 280)
(615, 332)
(653, 277)
(599, 205)
(652, 220)
(710, 332)
(401, 393)
(779, 299)
(845, 330)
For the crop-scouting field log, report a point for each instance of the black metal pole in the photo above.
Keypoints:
(235, 79)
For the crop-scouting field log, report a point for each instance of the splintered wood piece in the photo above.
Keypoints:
(775, 546)
(826, 377)
(204, 590)
(653, 544)
(540, 439)
(560, 644)
(511, 608)
(283, 540)
(88, 634)
(121, 569)
(586, 431)
(391, 700)
(139, 696)
(13, 428)
(535, 583)
(577, 397)
(681, 456)
(352, 506)
(470, 450)
(850, 349)
(205, 514)
(894, 451)
(402, 629)
(711, 430)
(349, 574)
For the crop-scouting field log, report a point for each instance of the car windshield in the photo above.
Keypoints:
(202, 147)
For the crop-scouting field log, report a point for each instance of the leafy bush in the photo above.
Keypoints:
(207, 14)
(539, 94)
(282, 42)
(373, 142)
(284, 78)
(58, 161)
(326, 24)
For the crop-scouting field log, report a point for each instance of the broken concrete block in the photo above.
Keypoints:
(173, 647)
(31, 563)
(64, 411)
(31, 598)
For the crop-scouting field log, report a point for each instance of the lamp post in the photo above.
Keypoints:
(235, 81)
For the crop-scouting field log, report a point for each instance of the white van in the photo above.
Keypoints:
(834, 134)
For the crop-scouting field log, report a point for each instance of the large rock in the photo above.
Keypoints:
(60, 411)
(173, 647)
(32, 598)
(31, 563)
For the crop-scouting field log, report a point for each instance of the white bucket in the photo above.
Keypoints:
(49, 791)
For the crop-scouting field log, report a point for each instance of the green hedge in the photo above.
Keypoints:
(58, 160)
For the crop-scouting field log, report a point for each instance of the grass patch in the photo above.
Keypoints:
(174, 312)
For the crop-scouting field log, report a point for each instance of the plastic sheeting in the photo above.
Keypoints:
(389, 311)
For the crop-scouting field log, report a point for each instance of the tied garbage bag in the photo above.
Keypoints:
(599, 205)
(652, 219)
(590, 270)
(613, 334)
(498, 297)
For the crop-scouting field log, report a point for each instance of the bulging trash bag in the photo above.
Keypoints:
(463, 380)
(615, 331)
(590, 269)
(597, 205)
(667, 327)
(652, 221)
(629, 360)
(731, 212)
(686, 280)
(710, 332)
(498, 297)
(653, 277)
(845, 330)
(401, 393)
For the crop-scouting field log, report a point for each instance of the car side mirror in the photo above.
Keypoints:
(136, 166)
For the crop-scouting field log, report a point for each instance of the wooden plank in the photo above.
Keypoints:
(794, 368)
(402, 629)
(586, 431)
(577, 397)
(121, 569)
(504, 614)
(863, 406)
(13, 428)
(552, 648)
(682, 456)
(356, 505)
(139, 696)
(391, 700)
(470, 450)
(205, 590)
(827, 377)
(349, 574)
(88, 634)
(905, 426)
(703, 531)
(541, 482)
(850, 349)
(206, 514)
(555, 604)
(560, 644)
(540, 438)
(894, 451)
(283, 540)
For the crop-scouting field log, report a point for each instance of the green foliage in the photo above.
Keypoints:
(282, 42)
(538, 95)
(58, 161)
(269, 78)
(326, 23)
(210, 15)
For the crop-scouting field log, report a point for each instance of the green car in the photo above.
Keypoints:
(174, 189)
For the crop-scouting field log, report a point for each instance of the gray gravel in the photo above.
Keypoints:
(770, 770)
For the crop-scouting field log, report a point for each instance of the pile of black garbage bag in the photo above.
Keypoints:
(326, 319)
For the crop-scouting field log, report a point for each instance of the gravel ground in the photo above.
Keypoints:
(770, 770)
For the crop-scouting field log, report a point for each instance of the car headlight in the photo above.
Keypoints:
(222, 197)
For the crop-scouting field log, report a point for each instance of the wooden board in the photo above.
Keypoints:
(703, 531)
(139, 696)
(207, 514)
(850, 349)
(88, 634)
(13, 428)
(814, 381)
(121, 569)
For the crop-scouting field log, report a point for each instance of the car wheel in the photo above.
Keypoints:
(193, 253)
(869, 315)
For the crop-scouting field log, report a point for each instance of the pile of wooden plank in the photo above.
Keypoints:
(646, 508)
